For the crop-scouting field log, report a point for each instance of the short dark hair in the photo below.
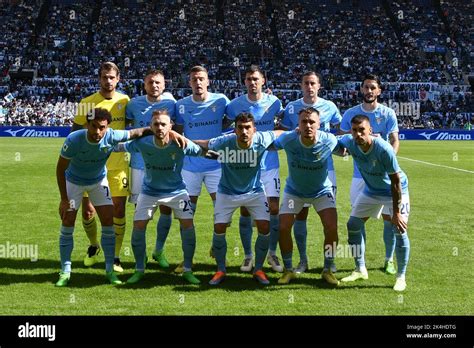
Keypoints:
(107, 66)
(311, 73)
(310, 110)
(372, 77)
(245, 117)
(358, 119)
(153, 72)
(254, 68)
(99, 114)
(198, 68)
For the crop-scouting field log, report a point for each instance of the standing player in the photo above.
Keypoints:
(386, 189)
(384, 124)
(81, 168)
(117, 166)
(328, 115)
(138, 112)
(308, 153)
(162, 185)
(264, 108)
(199, 116)
(240, 155)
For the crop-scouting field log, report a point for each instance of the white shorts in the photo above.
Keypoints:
(256, 204)
(147, 205)
(292, 204)
(375, 206)
(357, 187)
(99, 194)
(271, 182)
(136, 187)
(194, 180)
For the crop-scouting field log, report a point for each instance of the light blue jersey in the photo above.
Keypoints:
(201, 120)
(264, 112)
(241, 167)
(383, 121)
(139, 110)
(87, 159)
(375, 165)
(328, 115)
(163, 165)
(307, 165)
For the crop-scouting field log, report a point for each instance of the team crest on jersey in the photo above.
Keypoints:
(214, 108)
(119, 106)
(173, 156)
(374, 163)
(378, 120)
(65, 147)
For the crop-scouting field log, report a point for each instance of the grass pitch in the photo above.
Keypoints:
(439, 276)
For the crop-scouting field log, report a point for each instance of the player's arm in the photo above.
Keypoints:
(227, 123)
(178, 128)
(62, 165)
(139, 132)
(393, 140)
(204, 144)
(396, 188)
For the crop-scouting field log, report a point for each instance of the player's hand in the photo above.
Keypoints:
(210, 154)
(181, 141)
(399, 222)
(64, 206)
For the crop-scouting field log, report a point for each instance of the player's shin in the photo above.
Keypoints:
(188, 242)
(274, 234)
(119, 226)
(245, 229)
(139, 248)
(402, 251)
(354, 228)
(66, 244)
(301, 233)
(108, 245)
(219, 245)
(389, 240)
(162, 230)
(261, 249)
(330, 249)
(90, 226)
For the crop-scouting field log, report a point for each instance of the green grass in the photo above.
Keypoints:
(439, 277)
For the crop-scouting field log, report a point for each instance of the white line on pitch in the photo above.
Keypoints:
(436, 165)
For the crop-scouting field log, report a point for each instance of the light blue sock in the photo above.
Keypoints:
(329, 254)
(139, 248)
(188, 243)
(402, 250)
(354, 228)
(219, 245)
(301, 232)
(389, 239)
(274, 234)
(162, 229)
(287, 260)
(66, 244)
(108, 245)
(261, 250)
(245, 229)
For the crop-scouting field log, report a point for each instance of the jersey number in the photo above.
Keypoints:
(405, 209)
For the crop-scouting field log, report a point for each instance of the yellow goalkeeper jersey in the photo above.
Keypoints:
(116, 106)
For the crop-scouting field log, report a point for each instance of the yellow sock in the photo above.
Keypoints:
(90, 226)
(119, 225)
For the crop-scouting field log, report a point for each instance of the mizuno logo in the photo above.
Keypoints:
(428, 136)
(12, 132)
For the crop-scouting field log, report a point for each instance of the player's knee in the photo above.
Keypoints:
(165, 210)
(303, 214)
(140, 224)
(87, 214)
(263, 226)
(354, 224)
(186, 223)
(119, 210)
(244, 211)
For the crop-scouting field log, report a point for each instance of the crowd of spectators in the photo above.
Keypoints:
(341, 39)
